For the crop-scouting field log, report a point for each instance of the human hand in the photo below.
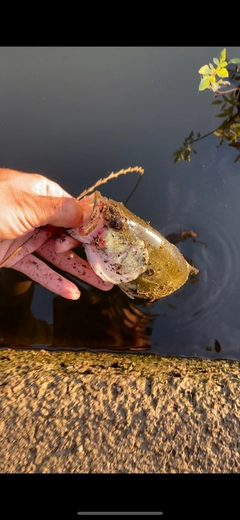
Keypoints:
(29, 202)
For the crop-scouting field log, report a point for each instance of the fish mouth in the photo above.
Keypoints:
(93, 221)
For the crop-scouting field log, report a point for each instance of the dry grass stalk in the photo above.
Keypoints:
(112, 175)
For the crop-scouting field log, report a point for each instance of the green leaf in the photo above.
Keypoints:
(236, 127)
(204, 83)
(218, 132)
(221, 82)
(223, 55)
(205, 70)
(223, 73)
(216, 61)
(178, 159)
(234, 60)
(226, 99)
(217, 102)
(214, 86)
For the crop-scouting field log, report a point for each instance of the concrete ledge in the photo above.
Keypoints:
(85, 413)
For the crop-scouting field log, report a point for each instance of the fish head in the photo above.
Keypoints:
(113, 250)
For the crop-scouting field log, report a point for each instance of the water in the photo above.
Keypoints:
(75, 115)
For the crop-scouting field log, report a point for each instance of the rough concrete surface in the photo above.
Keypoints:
(111, 413)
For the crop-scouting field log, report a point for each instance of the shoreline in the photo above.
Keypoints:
(82, 412)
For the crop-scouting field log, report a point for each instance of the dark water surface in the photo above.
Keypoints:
(75, 115)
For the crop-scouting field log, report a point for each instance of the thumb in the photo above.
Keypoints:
(59, 211)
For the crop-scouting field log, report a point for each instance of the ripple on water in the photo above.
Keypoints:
(205, 312)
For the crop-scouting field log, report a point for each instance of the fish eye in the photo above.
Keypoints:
(116, 223)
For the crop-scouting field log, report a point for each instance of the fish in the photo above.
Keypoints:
(125, 250)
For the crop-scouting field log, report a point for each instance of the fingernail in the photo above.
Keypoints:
(76, 295)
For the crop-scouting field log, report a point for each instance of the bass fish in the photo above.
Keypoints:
(125, 250)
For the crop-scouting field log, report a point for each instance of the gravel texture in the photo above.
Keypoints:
(111, 413)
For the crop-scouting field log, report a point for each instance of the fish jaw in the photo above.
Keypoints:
(91, 227)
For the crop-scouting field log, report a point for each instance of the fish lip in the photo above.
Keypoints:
(90, 228)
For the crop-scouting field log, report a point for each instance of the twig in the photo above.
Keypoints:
(220, 92)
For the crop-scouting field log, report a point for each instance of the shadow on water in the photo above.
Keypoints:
(98, 320)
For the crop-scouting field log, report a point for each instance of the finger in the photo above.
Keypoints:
(7, 247)
(11, 251)
(39, 272)
(61, 209)
(72, 264)
(64, 243)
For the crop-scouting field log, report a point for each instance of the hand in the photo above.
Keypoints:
(29, 202)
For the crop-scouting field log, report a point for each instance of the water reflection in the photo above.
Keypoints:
(18, 326)
(98, 320)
